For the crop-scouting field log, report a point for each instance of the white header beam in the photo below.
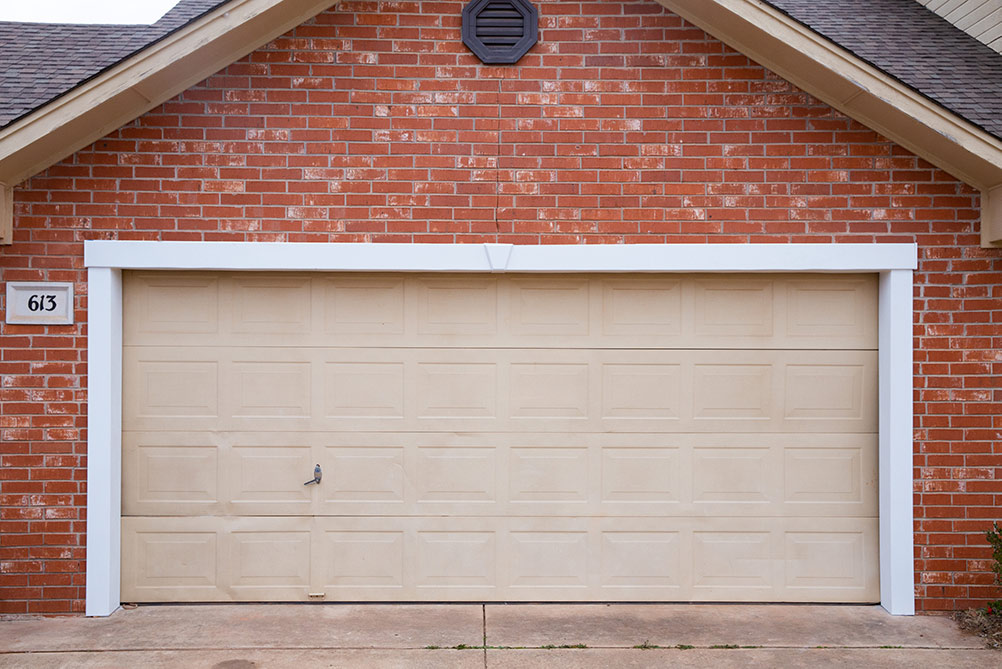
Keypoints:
(500, 257)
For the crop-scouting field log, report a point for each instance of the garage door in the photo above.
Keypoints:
(499, 437)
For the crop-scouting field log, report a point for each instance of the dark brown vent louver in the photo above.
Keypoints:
(500, 31)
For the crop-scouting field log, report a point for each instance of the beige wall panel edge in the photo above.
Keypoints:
(857, 89)
(144, 81)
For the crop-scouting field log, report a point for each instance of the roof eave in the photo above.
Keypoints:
(139, 83)
(861, 91)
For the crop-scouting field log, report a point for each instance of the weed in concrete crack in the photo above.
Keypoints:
(684, 646)
(551, 646)
(463, 646)
(646, 645)
(432, 647)
(892, 646)
(727, 646)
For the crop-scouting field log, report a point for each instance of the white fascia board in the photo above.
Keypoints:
(244, 256)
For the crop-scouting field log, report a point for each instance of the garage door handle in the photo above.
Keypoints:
(317, 474)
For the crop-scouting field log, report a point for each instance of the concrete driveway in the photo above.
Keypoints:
(493, 635)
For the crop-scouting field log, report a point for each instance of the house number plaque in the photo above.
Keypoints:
(39, 303)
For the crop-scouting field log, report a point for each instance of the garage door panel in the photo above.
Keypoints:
(564, 311)
(725, 309)
(570, 559)
(496, 437)
(577, 559)
(271, 304)
(623, 475)
(165, 307)
(837, 310)
(171, 472)
(269, 479)
(171, 559)
(507, 389)
(261, 473)
(170, 385)
(550, 307)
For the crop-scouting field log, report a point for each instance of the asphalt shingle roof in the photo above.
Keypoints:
(41, 61)
(915, 46)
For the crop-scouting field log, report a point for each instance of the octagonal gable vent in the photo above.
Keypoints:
(500, 31)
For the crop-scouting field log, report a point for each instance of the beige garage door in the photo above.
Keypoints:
(500, 437)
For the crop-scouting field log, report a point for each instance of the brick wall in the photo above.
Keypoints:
(624, 124)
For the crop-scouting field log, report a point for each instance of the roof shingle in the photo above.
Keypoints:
(915, 46)
(41, 61)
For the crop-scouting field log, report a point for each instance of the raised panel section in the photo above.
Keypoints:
(825, 560)
(270, 478)
(174, 559)
(734, 475)
(540, 390)
(172, 474)
(841, 309)
(548, 474)
(271, 305)
(641, 390)
(171, 304)
(824, 391)
(460, 306)
(641, 560)
(456, 474)
(364, 389)
(735, 559)
(549, 307)
(548, 560)
(824, 474)
(455, 559)
(171, 560)
(732, 391)
(634, 307)
(270, 560)
(649, 475)
(173, 388)
(364, 305)
(733, 308)
(457, 390)
(364, 474)
(363, 559)
(271, 389)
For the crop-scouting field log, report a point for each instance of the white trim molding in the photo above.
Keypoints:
(105, 261)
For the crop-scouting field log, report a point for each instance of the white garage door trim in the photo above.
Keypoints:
(106, 259)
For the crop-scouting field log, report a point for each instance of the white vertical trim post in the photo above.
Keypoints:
(897, 559)
(104, 440)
